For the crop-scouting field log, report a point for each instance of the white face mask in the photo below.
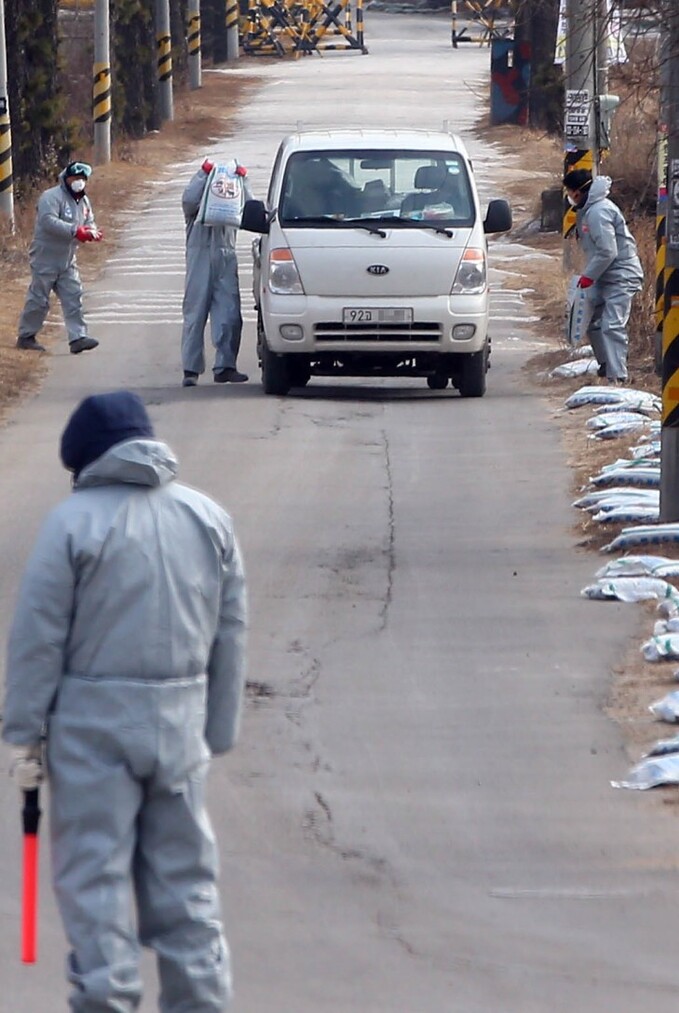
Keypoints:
(571, 200)
(78, 185)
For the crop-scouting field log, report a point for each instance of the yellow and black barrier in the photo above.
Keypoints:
(6, 176)
(193, 40)
(483, 14)
(164, 56)
(301, 27)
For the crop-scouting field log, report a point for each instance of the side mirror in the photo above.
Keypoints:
(498, 217)
(255, 217)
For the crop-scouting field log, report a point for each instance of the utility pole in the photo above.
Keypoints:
(101, 84)
(580, 130)
(6, 178)
(669, 434)
(194, 44)
(232, 41)
(661, 201)
(164, 59)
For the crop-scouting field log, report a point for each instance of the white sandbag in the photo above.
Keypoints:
(629, 589)
(632, 566)
(667, 570)
(644, 478)
(577, 367)
(614, 418)
(579, 312)
(636, 407)
(630, 514)
(223, 197)
(651, 773)
(644, 534)
(600, 395)
(666, 709)
(618, 430)
(663, 626)
(663, 747)
(662, 648)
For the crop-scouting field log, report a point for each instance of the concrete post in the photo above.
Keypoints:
(6, 176)
(164, 60)
(669, 437)
(232, 33)
(101, 84)
(193, 41)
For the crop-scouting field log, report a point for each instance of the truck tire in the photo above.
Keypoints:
(471, 381)
(276, 378)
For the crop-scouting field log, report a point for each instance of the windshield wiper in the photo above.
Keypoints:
(342, 223)
(415, 223)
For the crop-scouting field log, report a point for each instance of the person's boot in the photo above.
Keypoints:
(29, 344)
(230, 375)
(82, 345)
(190, 379)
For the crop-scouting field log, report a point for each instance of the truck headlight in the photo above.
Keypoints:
(471, 274)
(284, 277)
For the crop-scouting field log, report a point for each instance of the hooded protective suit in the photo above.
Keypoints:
(614, 267)
(52, 258)
(211, 286)
(127, 645)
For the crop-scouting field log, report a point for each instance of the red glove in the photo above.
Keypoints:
(207, 166)
(585, 282)
(241, 170)
(83, 234)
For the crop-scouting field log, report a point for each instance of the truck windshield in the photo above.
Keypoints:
(398, 186)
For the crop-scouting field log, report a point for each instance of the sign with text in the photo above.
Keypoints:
(577, 113)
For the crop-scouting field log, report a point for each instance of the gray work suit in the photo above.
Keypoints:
(127, 644)
(53, 262)
(211, 286)
(614, 266)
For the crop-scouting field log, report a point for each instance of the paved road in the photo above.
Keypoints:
(418, 817)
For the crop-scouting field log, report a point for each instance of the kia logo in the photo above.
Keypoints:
(378, 269)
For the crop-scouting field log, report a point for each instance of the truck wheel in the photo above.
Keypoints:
(471, 381)
(276, 378)
(437, 382)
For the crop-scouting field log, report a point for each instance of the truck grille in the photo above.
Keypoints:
(417, 331)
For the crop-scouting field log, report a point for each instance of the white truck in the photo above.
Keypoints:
(372, 260)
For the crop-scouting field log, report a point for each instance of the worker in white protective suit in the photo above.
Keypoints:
(126, 656)
(64, 219)
(211, 288)
(612, 270)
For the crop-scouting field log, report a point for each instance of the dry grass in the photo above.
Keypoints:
(199, 116)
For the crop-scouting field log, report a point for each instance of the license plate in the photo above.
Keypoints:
(374, 315)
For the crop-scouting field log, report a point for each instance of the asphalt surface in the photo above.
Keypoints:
(418, 817)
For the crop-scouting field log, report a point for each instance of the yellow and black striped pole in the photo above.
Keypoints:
(164, 60)
(101, 84)
(193, 45)
(232, 42)
(360, 26)
(669, 434)
(6, 176)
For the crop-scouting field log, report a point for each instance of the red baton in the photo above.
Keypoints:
(29, 924)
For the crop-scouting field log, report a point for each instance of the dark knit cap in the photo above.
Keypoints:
(98, 423)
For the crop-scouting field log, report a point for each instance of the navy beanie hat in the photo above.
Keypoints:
(98, 423)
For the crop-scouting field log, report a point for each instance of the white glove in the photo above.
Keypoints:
(27, 766)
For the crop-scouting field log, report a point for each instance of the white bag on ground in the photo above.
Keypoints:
(662, 648)
(666, 709)
(580, 311)
(629, 589)
(633, 566)
(651, 773)
(644, 534)
(223, 197)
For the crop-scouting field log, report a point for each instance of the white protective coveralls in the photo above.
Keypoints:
(52, 259)
(614, 267)
(211, 286)
(128, 646)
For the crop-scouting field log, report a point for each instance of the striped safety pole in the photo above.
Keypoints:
(193, 45)
(669, 433)
(453, 23)
(101, 84)
(164, 60)
(661, 201)
(232, 44)
(360, 27)
(6, 176)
